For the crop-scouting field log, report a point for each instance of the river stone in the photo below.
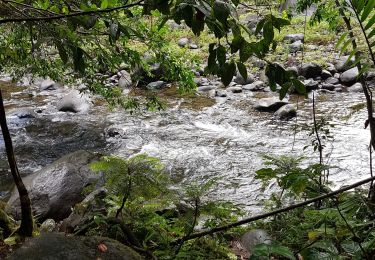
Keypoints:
(310, 70)
(48, 225)
(74, 102)
(157, 85)
(221, 93)
(370, 75)
(255, 237)
(183, 42)
(332, 80)
(349, 77)
(342, 64)
(293, 69)
(311, 84)
(331, 68)
(193, 46)
(49, 84)
(325, 74)
(356, 87)
(286, 112)
(251, 21)
(125, 80)
(269, 104)
(58, 246)
(256, 86)
(328, 86)
(25, 112)
(294, 37)
(56, 188)
(295, 46)
(234, 89)
(206, 88)
(240, 80)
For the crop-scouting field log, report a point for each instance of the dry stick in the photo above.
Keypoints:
(26, 228)
(63, 16)
(273, 213)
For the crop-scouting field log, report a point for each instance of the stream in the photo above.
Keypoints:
(224, 139)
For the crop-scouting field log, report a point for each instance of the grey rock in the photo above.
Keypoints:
(370, 75)
(332, 80)
(256, 86)
(342, 64)
(336, 75)
(25, 112)
(156, 85)
(183, 42)
(255, 237)
(286, 112)
(293, 69)
(74, 102)
(339, 88)
(356, 87)
(331, 68)
(58, 246)
(212, 93)
(206, 88)
(48, 84)
(251, 21)
(294, 37)
(349, 77)
(125, 80)
(325, 74)
(240, 80)
(56, 188)
(310, 70)
(269, 104)
(48, 225)
(234, 89)
(259, 63)
(221, 93)
(193, 46)
(328, 86)
(311, 84)
(296, 46)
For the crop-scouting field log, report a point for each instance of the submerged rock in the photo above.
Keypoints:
(269, 104)
(56, 188)
(57, 246)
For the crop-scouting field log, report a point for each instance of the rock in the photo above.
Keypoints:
(240, 80)
(256, 86)
(193, 46)
(58, 246)
(294, 37)
(47, 226)
(356, 87)
(310, 70)
(56, 188)
(332, 80)
(74, 102)
(206, 88)
(251, 21)
(25, 112)
(221, 93)
(311, 84)
(336, 75)
(234, 89)
(49, 84)
(255, 237)
(269, 104)
(293, 70)
(125, 80)
(295, 46)
(183, 42)
(259, 63)
(325, 74)
(370, 75)
(156, 85)
(350, 76)
(328, 86)
(286, 112)
(339, 88)
(212, 93)
(331, 68)
(342, 64)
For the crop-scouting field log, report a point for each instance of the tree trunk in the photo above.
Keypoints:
(26, 228)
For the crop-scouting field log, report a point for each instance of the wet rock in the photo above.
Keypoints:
(56, 188)
(350, 76)
(212, 93)
(157, 85)
(49, 84)
(339, 88)
(328, 86)
(47, 226)
(332, 80)
(342, 64)
(310, 70)
(269, 104)
(325, 74)
(254, 237)
(193, 46)
(331, 68)
(74, 102)
(370, 75)
(240, 80)
(296, 46)
(125, 80)
(183, 42)
(26, 112)
(294, 37)
(357, 87)
(206, 88)
(256, 86)
(234, 89)
(286, 112)
(311, 84)
(57, 246)
(221, 93)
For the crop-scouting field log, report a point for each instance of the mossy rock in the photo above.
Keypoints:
(57, 246)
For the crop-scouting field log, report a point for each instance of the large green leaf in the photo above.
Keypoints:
(221, 54)
(242, 69)
(369, 7)
(221, 11)
(228, 70)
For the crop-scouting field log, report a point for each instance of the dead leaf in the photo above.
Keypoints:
(102, 248)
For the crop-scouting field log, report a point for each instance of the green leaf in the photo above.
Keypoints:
(227, 73)
(78, 60)
(370, 23)
(246, 50)
(299, 86)
(62, 52)
(371, 34)
(104, 4)
(268, 32)
(221, 11)
(265, 174)
(367, 9)
(260, 25)
(284, 90)
(341, 39)
(221, 55)
(345, 46)
(242, 69)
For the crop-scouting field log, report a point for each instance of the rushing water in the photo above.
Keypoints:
(225, 140)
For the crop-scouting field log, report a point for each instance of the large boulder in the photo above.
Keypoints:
(349, 77)
(310, 70)
(242, 81)
(74, 102)
(56, 188)
(57, 246)
(342, 64)
(269, 104)
(286, 112)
